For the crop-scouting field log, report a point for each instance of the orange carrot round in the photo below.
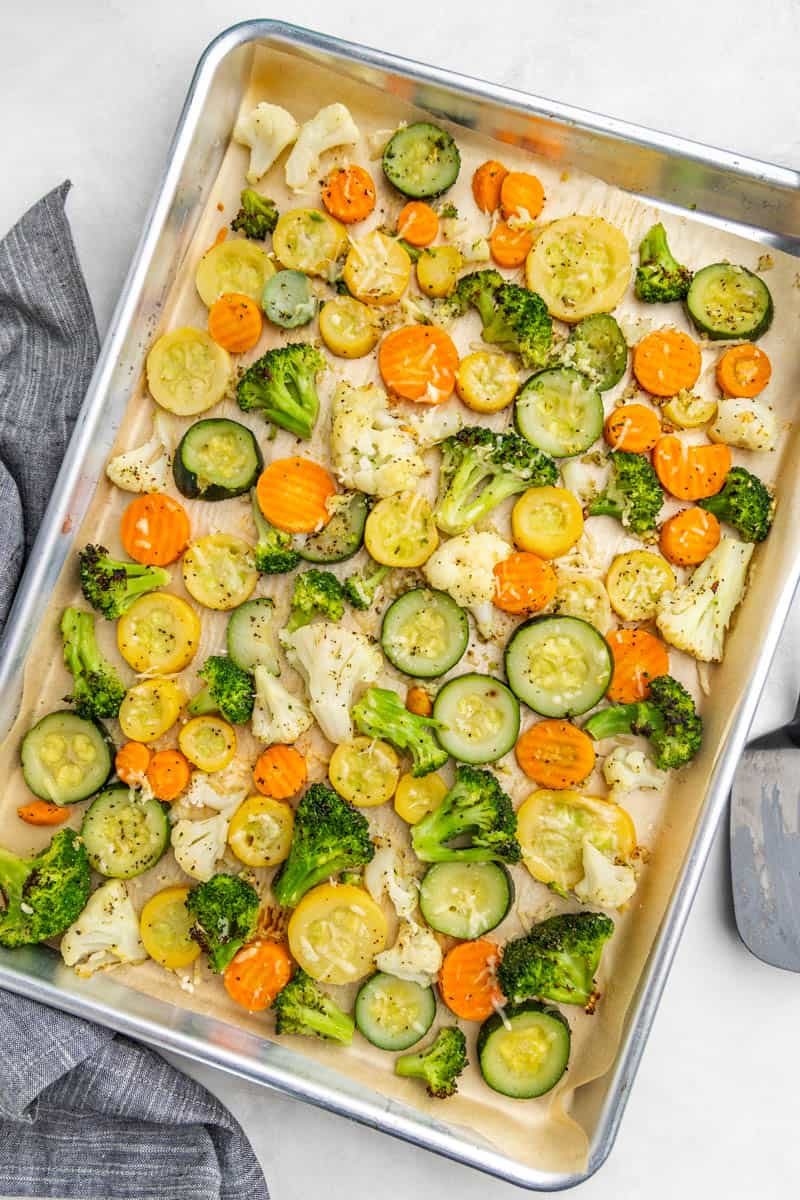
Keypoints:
(509, 247)
(418, 223)
(632, 427)
(487, 183)
(667, 361)
(154, 529)
(131, 762)
(521, 195)
(293, 494)
(639, 657)
(419, 362)
(689, 537)
(256, 974)
(235, 322)
(168, 774)
(556, 754)
(280, 772)
(42, 812)
(691, 472)
(349, 194)
(524, 583)
(468, 982)
(419, 702)
(744, 371)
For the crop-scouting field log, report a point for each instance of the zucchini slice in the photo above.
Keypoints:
(124, 835)
(524, 1051)
(560, 411)
(424, 633)
(465, 900)
(421, 160)
(216, 459)
(599, 350)
(394, 1013)
(480, 718)
(726, 301)
(251, 635)
(558, 666)
(288, 300)
(342, 537)
(65, 758)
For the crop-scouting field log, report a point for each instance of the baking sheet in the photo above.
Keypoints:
(538, 1132)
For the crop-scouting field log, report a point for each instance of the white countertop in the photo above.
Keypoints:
(91, 91)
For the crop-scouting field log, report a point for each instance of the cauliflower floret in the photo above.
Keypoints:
(147, 468)
(464, 567)
(416, 955)
(332, 126)
(371, 450)
(605, 884)
(267, 129)
(209, 791)
(391, 871)
(105, 934)
(431, 423)
(695, 616)
(749, 424)
(333, 661)
(278, 715)
(630, 770)
(199, 845)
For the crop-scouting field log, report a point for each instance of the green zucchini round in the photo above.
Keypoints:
(216, 459)
(524, 1050)
(421, 160)
(726, 301)
(65, 758)
(123, 834)
(342, 537)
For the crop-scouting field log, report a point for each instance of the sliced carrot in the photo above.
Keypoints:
(349, 194)
(638, 656)
(280, 772)
(509, 247)
(689, 537)
(235, 322)
(42, 812)
(154, 529)
(419, 702)
(468, 982)
(632, 427)
(556, 754)
(521, 195)
(256, 974)
(293, 494)
(744, 371)
(168, 774)
(486, 184)
(667, 361)
(418, 223)
(419, 362)
(524, 583)
(131, 762)
(691, 472)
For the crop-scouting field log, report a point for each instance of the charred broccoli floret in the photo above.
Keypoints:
(659, 277)
(229, 690)
(224, 912)
(380, 713)
(316, 594)
(43, 894)
(330, 836)
(440, 1065)
(98, 691)
(557, 960)
(633, 495)
(361, 588)
(303, 1008)
(668, 718)
(111, 585)
(274, 552)
(257, 216)
(744, 503)
(513, 317)
(282, 386)
(480, 469)
(476, 815)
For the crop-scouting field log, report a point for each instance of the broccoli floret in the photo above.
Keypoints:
(513, 317)
(224, 912)
(668, 718)
(557, 960)
(330, 836)
(229, 690)
(380, 713)
(440, 1065)
(480, 469)
(659, 277)
(111, 586)
(282, 386)
(98, 690)
(303, 1008)
(361, 589)
(633, 495)
(257, 216)
(744, 503)
(477, 815)
(43, 894)
(274, 553)
(316, 594)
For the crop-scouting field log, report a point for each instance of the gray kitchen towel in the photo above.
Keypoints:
(84, 1113)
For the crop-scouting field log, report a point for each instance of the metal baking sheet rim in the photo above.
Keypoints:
(42, 977)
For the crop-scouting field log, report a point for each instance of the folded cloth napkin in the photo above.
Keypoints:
(84, 1112)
